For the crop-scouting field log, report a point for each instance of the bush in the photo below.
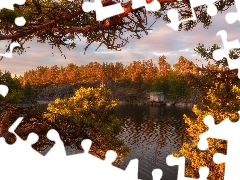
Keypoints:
(92, 110)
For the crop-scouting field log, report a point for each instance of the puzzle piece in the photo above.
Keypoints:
(173, 13)
(14, 156)
(115, 9)
(232, 17)
(157, 174)
(20, 153)
(20, 156)
(9, 4)
(180, 161)
(216, 131)
(102, 12)
(221, 53)
(153, 6)
(4, 129)
(58, 149)
(103, 167)
(60, 166)
(19, 21)
(3, 90)
(12, 46)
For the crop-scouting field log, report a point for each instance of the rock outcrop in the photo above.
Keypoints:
(51, 92)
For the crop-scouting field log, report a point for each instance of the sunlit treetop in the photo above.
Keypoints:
(61, 23)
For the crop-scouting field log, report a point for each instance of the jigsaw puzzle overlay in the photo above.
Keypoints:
(83, 165)
(19, 21)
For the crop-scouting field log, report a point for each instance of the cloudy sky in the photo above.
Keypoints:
(161, 41)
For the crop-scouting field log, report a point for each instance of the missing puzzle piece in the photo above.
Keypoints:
(173, 13)
(232, 17)
(157, 174)
(153, 6)
(12, 46)
(232, 158)
(3, 90)
(180, 161)
(9, 4)
(221, 53)
(103, 169)
(116, 9)
(19, 21)
(58, 150)
(102, 12)
(16, 157)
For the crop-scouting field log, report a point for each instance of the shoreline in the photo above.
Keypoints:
(121, 103)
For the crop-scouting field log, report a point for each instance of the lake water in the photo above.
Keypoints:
(153, 133)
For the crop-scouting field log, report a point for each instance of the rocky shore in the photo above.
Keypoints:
(125, 96)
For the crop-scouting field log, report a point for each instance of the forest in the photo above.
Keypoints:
(136, 72)
(132, 81)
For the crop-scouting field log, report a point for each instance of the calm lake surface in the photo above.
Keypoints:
(153, 133)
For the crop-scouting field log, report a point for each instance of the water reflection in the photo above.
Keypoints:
(153, 133)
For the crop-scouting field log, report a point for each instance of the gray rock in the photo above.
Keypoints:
(52, 92)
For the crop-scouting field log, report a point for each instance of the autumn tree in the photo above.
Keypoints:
(133, 71)
(220, 99)
(184, 66)
(119, 71)
(163, 66)
(109, 71)
(150, 71)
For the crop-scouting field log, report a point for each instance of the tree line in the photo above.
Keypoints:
(136, 72)
(176, 81)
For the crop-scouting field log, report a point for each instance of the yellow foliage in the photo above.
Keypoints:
(88, 103)
(202, 158)
(92, 110)
(221, 101)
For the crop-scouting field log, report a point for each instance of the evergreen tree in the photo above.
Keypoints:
(61, 23)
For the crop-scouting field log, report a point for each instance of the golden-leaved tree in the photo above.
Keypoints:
(221, 100)
(163, 66)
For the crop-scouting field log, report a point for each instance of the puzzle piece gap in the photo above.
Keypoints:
(20, 21)
(221, 53)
